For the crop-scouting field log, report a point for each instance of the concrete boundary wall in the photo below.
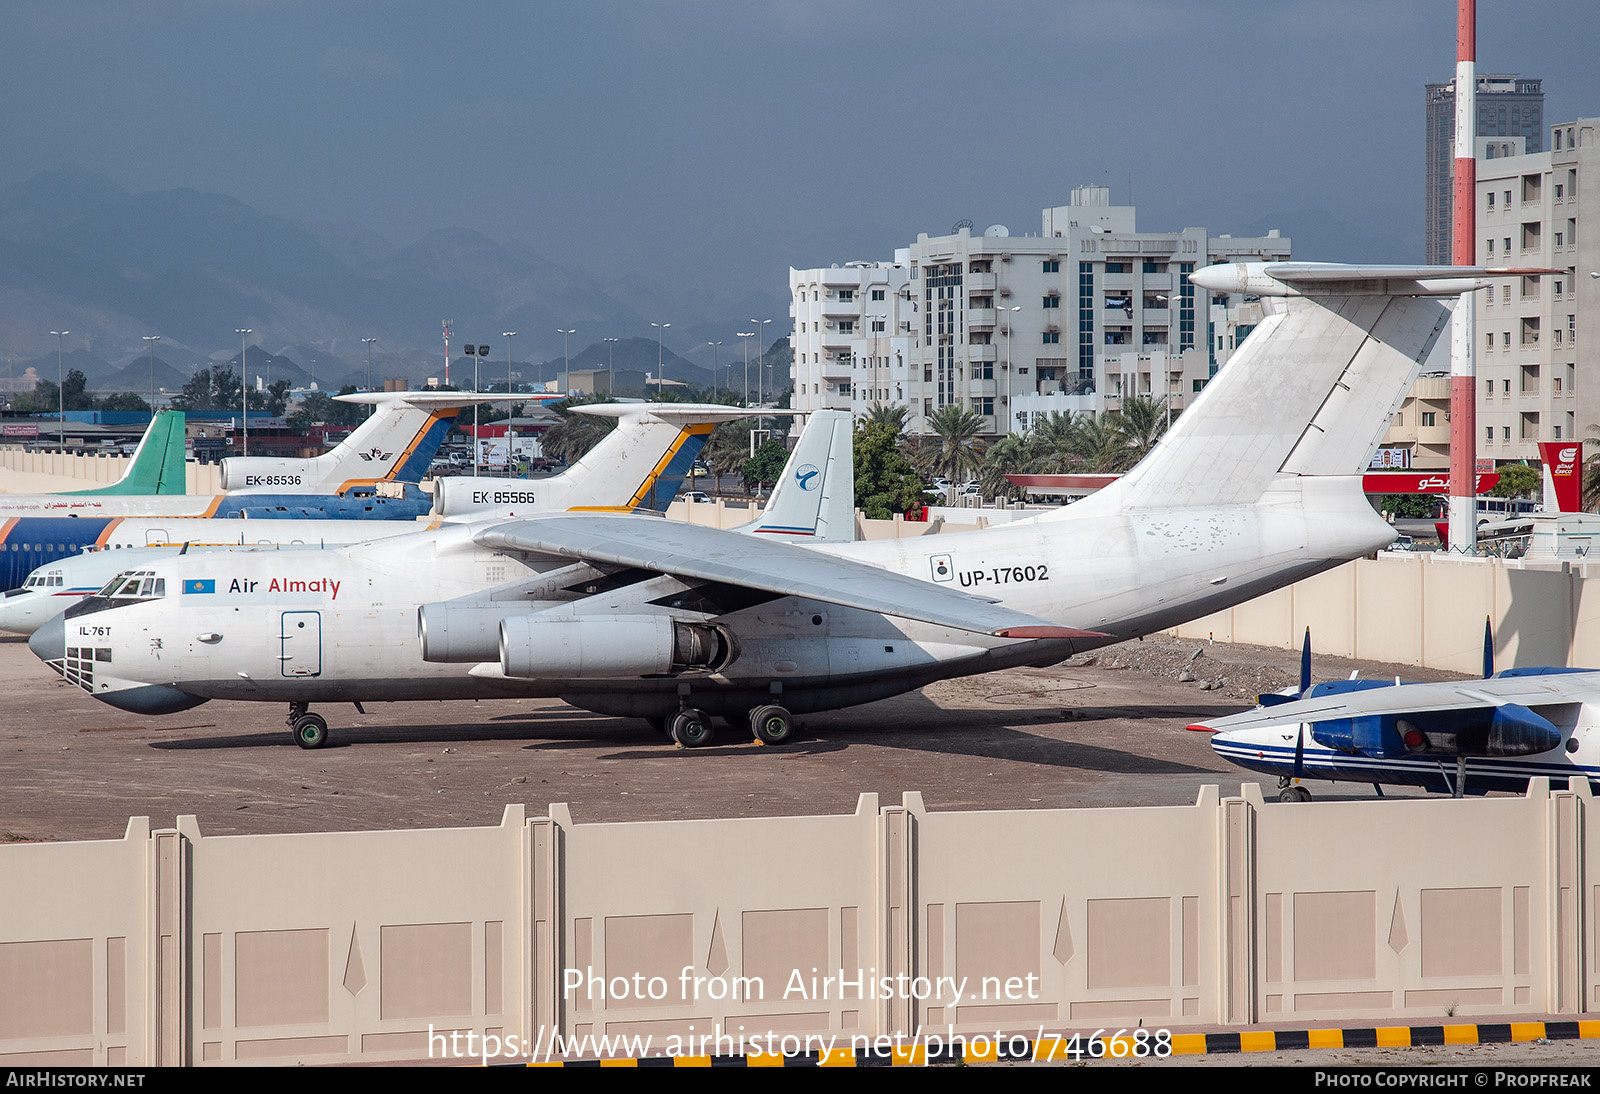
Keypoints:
(24, 472)
(1427, 609)
(172, 947)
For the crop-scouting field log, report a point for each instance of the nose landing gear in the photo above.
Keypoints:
(309, 730)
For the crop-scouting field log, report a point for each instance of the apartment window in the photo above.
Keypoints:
(984, 406)
(983, 370)
(877, 326)
(1508, 199)
(1399, 420)
(1505, 294)
(1505, 432)
(1429, 417)
(1050, 265)
(877, 294)
(1560, 188)
(1052, 337)
(1198, 384)
(1488, 247)
(1505, 343)
(1507, 244)
(1116, 267)
(1488, 385)
(1559, 237)
(847, 326)
(1052, 302)
(1506, 384)
(1558, 283)
(1154, 267)
(1488, 434)
(1491, 200)
(847, 295)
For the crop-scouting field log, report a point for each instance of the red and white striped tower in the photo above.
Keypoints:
(1463, 339)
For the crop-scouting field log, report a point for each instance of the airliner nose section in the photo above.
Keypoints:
(49, 642)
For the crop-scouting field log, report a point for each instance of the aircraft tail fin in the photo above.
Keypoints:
(157, 466)
(1310, 392)
(815, 498)
(642, 463)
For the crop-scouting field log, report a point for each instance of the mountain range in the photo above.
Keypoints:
(80, 252)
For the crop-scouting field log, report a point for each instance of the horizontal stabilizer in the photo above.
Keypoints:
(710, 554)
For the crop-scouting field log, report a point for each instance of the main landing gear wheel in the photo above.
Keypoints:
(1294, 794)
(771, 725)
(310, 731)
(691, 728)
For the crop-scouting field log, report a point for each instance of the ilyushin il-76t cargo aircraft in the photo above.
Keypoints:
(1256, 485)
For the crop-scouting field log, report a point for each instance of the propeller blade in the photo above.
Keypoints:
(1305, 664)
(1488, 648)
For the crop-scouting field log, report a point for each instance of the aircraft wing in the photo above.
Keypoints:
(1401, 699)
(710, 554)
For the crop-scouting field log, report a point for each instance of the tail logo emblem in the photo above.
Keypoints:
(806, 476)
(376, 454)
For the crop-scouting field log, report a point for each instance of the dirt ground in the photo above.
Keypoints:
(1104, 729)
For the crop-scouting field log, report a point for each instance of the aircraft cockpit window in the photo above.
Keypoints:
(135, 586)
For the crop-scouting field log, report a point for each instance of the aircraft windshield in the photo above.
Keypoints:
(135, 585)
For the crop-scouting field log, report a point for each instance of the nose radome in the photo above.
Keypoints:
(49, 642)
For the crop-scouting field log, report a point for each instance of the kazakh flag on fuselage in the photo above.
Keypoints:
(208, 585)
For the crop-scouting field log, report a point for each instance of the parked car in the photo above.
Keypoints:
(695, 495)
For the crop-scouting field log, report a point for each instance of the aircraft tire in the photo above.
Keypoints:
(771, 725)
(692, 728)
(310, 731)
(1294, 794)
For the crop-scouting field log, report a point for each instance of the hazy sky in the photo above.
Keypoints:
(723, 142)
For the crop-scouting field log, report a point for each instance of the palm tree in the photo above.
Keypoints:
(1013, 454)
(1137, 429)
(575, 434)
(892, 416)
(1591, 472)
(957, 441)
(726, 450)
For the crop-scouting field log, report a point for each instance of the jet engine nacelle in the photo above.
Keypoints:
(264, 473)
(461, 633)
(609, 647)
(1505, 730)
(463, 495)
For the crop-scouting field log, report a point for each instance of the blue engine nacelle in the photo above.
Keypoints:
(1506, 730)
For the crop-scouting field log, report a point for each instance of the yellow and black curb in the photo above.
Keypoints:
(1069, 1050)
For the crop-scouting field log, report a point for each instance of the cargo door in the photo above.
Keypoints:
(300, 638)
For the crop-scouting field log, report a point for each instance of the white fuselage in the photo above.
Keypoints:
(342, 625)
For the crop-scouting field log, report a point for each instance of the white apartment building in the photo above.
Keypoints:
(1076, 318)
(1536, 382)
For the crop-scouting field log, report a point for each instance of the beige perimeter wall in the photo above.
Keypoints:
(1427, 609)
(172, 947)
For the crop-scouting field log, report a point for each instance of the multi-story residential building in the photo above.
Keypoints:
(1507, 106)
(1075, 318)
(1536, 382)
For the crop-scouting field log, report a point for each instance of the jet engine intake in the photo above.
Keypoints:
(609, 647)
(461, 633)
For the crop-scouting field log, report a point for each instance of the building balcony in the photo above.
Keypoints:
(836, 339)
(980, 317)
(982, 353)
(835, 369)
(980, 282)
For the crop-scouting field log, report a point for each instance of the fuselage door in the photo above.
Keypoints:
(300, 639)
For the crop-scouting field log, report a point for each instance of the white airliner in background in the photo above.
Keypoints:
(1256, 485)
(639, 464)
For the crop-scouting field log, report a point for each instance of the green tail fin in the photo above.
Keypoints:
(158, 462)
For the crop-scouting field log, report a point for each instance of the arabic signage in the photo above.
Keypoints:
(1388, 458)
(1418, 482)
(18, 429)
(1563, 459)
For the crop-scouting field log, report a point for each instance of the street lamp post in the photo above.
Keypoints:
(611, 346)
(244, 392)
(511, 434)
(566, 358)
(61, 392)
(369, 342)
(746, 336)
(1011, 322)
(152, 339)
(716, 350)
(761, 361)
(661, 333)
